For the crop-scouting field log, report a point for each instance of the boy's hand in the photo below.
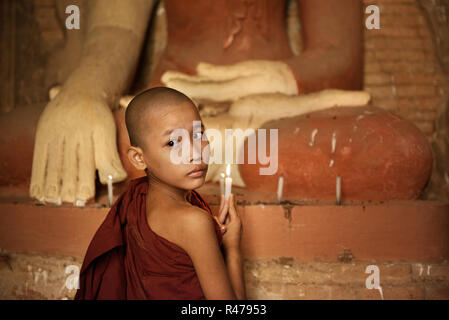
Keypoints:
(233, 225)
(222, 213)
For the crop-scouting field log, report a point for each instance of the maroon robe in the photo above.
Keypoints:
(127, 260)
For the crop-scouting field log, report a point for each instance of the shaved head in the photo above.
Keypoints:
(146, 104)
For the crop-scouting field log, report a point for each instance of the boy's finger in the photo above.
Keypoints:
(232, 211)
(223, 213)
(223, 229)
(222, 202)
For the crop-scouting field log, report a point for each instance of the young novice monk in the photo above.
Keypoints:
(160, 240)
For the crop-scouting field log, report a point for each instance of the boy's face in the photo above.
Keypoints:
(162, 142)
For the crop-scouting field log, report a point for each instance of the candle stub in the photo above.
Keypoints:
(280, 188)
(338, 190)
(110, 192)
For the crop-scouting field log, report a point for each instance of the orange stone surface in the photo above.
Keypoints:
(378, 155)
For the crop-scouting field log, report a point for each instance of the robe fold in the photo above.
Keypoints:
(127, 260)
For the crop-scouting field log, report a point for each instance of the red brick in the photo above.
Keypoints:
(307, 292)
(399, 273)
(418, 116)
(408, 67)
(389, 293)
(393, 55)
(398, 8)
(437, 292)
(424, 31)
(381, 91)
(354, 293)
(370, 57)
(377, 79)
(394, 32)
(425, 127)
(428, 45)
(404, 78)
(385, 103)
(273, 288)
(372, 67)
(429, 272)
(412, 292)
(419, 103)
(381, 43)
(401, 20)
(415, 91)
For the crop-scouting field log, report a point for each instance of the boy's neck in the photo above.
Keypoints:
(163, 192)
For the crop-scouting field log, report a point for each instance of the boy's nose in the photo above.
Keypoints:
(197, 159)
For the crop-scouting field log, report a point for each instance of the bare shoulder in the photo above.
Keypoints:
(195, 226)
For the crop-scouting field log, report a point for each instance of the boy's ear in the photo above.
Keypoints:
(135, 156)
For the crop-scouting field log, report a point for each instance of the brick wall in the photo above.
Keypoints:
(285, 278)
(33, 276)
(401, 68)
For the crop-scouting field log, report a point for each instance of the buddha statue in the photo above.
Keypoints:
(231, 53)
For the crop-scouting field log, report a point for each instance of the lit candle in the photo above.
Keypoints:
(80, 203)
(222, 186)
(280, 187)
(110, 190)
(338, 190)
(228, 182)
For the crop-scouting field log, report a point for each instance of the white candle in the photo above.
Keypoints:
(338, 190)
(110, 190)
(228, 182)
(222, 186)
(280, 187)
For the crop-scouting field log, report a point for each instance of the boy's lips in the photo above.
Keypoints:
(198, 171)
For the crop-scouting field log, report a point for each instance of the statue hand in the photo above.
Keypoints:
(231, 82)
(76, 135)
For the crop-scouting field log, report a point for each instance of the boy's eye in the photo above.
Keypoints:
(171, 143)
(197, 135)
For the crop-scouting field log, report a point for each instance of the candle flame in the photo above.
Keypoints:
(228, 170)
(222, 175)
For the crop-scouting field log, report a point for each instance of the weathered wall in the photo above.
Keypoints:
(33, 276)
(401, 67)
(437, 13)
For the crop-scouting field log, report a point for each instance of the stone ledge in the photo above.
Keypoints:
(414, 231)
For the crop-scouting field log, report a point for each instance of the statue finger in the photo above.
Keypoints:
(86, 170)
(54, 169)
(69, 170)
(229, 90)
(170, 75)
(107, 159)
(38, 168)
